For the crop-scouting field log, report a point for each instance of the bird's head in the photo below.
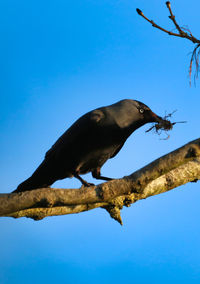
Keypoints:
(146, 114)
(131, 114)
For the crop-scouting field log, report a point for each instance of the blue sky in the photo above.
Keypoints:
(60, 59)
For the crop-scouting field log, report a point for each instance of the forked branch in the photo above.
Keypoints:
(181, 32)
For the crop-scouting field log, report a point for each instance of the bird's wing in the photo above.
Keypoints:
(117, 150)
(78, 133)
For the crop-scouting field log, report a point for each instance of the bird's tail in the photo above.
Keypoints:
(42, 177)
(29, 184)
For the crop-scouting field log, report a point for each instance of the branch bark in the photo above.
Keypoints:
(170, 171)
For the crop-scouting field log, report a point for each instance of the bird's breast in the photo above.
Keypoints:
(95, 159)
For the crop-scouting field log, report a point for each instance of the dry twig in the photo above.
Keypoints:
(165, 125)
(182, 32)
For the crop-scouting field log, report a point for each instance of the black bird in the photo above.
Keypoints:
(93, 139)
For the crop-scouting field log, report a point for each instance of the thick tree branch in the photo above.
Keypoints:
(182, 32)
(174, 169)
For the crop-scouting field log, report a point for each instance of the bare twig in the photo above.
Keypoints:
(155, 25)
(194, 58)
(165, 125)
(182, 32)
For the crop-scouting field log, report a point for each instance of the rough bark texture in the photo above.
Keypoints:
(170, 171)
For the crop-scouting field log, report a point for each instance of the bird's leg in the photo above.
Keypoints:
(97, 174)
(84, 182)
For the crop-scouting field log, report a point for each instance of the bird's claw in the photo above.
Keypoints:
(88, 184)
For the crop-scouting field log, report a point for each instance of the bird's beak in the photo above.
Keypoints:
(155, 117)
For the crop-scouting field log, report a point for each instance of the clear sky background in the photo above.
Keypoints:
(60, 59)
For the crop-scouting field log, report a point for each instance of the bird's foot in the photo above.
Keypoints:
(97, 174)
(84, 182)
(88, 184)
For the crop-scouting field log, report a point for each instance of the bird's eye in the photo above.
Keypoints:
(141, 110)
